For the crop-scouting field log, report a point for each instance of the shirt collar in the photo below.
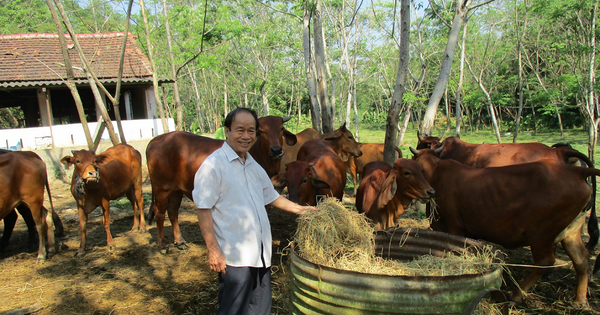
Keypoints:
(232, 155)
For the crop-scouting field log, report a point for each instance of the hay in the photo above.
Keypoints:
(343, 239)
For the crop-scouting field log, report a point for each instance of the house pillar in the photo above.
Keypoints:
(127, 97)
(150, 103)
(44, 105)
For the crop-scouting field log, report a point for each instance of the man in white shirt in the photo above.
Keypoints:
(231, 191)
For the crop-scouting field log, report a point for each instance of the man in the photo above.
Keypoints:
(231, 191)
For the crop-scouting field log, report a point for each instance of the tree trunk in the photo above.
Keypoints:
(391, 125)
(438, 91)
(520, 58)
(320, 60)
(490, 104)
(591, 107)
(70, 78)
(159, 104)
(461, 74)
(179, 110)
(310, 79)
(404, 125)
(265, 98)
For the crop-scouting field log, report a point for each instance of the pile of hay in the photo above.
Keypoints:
(343, 239)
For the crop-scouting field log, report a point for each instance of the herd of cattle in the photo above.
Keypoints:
(514, 195)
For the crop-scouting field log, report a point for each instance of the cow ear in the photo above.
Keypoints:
(279, 181)
(388, 190)
(100, 159)
(67, 161)
(290, 138)
(319, 183)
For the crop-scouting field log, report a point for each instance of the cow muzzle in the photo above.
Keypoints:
(277, 152)
(430, 195)
(91, 175)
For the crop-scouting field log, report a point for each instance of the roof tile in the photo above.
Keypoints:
(38, 57)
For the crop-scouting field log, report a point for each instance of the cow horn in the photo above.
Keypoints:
(419, 136)
(286, 119)
(458, 135)
(73, 152)
(310, 164)
(443, 132)
(415, 152)
(439, 150)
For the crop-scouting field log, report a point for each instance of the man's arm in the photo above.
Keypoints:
(289, 206)
(216, 260)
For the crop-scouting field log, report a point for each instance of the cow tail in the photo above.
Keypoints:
(150, 216)
(596, 266)
(58, 226)
(593, 231)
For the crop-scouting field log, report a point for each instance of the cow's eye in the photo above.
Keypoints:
(304, 180)
(406, 173)
(78, 161)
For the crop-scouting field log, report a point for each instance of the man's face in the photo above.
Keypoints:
(242, 135)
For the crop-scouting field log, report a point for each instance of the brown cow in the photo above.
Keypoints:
(22, 181)
(320, 171)
(385, 192)
(371, 152)
(488, 155)
(98, 179)
(428, 142)
(11, 219)
(515, 206)
(173, 159)
(291, 151)
(340, 139)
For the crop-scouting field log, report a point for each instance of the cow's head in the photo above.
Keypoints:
(449, 147)
(428, 159)
(86, 165)
(271, 134)
(302, 182)
(343, 143)
(428, 142)
(406, 182)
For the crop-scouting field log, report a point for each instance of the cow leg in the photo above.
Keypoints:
(83, 217)
(110, 243)
(28, 218)
(573, 245)
(9, 224)
(39, 216)
(137, 202)
(159, 208)
(174, 203)
(49, 230)
(542, 256)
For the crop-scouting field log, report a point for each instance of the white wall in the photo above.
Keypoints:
(73, 135)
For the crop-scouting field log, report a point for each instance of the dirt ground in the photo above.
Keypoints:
(136, 279)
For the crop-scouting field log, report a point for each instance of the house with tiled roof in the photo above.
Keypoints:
(33, 78)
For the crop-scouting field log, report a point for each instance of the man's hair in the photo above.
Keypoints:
(231, 116)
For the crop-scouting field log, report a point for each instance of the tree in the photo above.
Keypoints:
(462, 9)
(389, 154)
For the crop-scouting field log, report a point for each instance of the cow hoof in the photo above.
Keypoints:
(580, 304)
(41, 260)
(164, 251)
(181, 246)
(80, 254)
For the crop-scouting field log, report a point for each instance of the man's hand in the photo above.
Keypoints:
(216, 261)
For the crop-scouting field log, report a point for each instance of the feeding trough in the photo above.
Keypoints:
(317, 289)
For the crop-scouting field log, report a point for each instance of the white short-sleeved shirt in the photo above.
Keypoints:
(237, 194)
